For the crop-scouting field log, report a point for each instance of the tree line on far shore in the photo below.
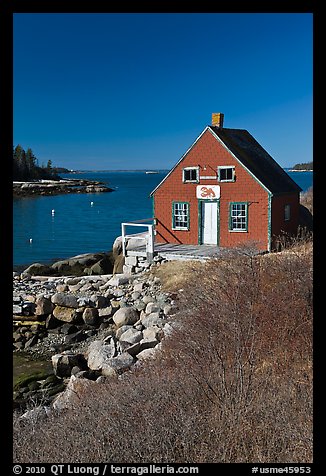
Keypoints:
(26, 166)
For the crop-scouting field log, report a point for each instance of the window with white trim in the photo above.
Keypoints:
(190, 175)
(238, 218)
(287, 212)
(226, 173)
(180, 216)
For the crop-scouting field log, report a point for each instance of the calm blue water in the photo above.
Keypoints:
(77, 227)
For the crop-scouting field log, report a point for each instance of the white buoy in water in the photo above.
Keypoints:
(92, 203)
(31, 240)
(52, 212)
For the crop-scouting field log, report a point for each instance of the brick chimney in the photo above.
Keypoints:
(217, 119)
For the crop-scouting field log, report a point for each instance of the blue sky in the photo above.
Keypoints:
(134, 90)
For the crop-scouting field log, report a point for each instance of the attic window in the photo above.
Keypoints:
(226, 173)
(190, 175)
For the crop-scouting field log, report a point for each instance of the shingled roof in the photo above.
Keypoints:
(252, 156)
(255, 158)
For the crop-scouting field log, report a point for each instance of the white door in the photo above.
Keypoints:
(209, 223)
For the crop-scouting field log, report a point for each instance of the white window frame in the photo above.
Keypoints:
(237, 216)
(190, 168)
(183, 211)
(223, 167)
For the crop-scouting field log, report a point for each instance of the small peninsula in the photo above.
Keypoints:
(55, 187)
(304, 167)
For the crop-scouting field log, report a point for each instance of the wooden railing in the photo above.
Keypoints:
(147, 236)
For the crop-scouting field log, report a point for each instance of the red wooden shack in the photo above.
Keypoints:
(225, 190)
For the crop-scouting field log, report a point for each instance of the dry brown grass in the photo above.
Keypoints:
(306, 199)
(174, 274)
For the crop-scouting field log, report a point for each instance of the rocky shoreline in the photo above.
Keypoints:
(55, 187)
(91, 327)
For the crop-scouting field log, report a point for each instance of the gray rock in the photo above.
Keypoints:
(138, 287)
(43, 306)
(68, 329)
(66, 314)
(72, 395)
(131, 336)
(153, 320)
(101, 267)
(167, 309)
(97, 263)
(64, 363)
(132, 349)
(146, 354)
(17, 309)
(147, 343)
(32, 341)
(118, 280)
(125, 315)
(90, 316)
(167, 329)
(152, 307)
(52, 322)
(17, 337)
(105, 312)
(127, 269)
(73, 288)
(153, 332)
(121, 330)
(115, 305)
(139, 305)
(38, 269)
(131, 260)
(147, 299)
(61, 288)
(84, 301)
(118, 293)
(73, 281)
(66, 300)
(119, 364)
(135, 295)
(102, 379)
(99, 301)
(99, 353)
(18, 345)
(78, 336)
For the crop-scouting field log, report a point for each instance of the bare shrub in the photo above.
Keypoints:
(233, 383)
(306, 199)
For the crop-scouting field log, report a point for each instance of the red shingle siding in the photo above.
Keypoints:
(279, 225)
(210, 153)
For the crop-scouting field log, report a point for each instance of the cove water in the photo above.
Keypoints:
(79, 226)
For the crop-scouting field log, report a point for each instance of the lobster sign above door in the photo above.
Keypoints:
(208, 191)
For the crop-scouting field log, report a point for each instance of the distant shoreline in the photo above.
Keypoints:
(296, 170)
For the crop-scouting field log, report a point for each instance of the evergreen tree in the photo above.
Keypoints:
(25, 166)
(19, 160)
(24, 169)
(30, 160)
